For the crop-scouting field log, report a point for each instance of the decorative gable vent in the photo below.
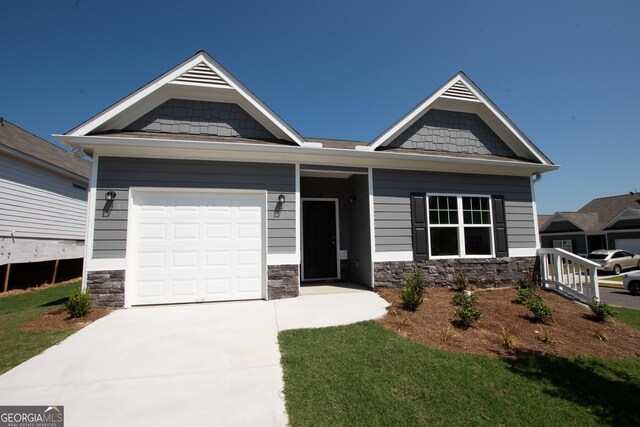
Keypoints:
(460, 91)
(202, 74)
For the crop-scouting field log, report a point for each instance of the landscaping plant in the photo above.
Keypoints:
(547, 336)
(541, 311)
(467, 312)
(600, 310)
(412, 291)
(507, 340)
(448, 332)
(79, 303)
(461, 283)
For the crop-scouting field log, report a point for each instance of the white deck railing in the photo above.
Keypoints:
(569, 273)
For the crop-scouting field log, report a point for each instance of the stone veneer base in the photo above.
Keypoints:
(480, 272)
(283, 281)
(106, 288)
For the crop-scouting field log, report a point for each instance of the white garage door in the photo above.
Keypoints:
(631, 245)
(196, 246)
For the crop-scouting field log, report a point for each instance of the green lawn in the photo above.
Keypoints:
(17, 345)
(364, 375)
(629, 316)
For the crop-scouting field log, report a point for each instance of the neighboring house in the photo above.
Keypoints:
(605, 223)
(200, 192)
(43, 200)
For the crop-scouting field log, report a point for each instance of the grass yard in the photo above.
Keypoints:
(365, 375)
(17, 310)
(628, 316)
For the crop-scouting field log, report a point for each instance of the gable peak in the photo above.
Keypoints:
(459, 90)
(201, 74)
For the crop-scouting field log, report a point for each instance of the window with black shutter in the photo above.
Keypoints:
(419, 227)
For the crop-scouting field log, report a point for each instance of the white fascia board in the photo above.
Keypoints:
(148, 90)
(135, 97)
(261, 153)
(423, 107)
(410, 117)
(283, 259)
(254, 100)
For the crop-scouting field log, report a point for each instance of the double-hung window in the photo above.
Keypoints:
(460, 226)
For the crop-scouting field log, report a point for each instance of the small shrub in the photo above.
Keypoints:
(526, 282)
(412, 292)
(601, 334)
(548, 336)
(541, 311)
(507, 340)
(467, 312)
(448, 333)
(600, 310)
(528, 294)
(78, 304)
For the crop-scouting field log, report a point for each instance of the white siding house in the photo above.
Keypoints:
(43, 200)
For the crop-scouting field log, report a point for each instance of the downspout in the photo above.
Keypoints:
(538, 177)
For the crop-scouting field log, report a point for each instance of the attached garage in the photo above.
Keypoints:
(630, 245)
(196, 246)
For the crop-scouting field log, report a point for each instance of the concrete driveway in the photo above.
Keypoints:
(201, 364)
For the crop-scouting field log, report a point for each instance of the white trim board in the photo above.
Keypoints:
(91, 218)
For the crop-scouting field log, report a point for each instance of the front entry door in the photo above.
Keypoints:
(319, 243)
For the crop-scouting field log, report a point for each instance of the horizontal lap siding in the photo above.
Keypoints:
(37, 203)
(392, 211)
(119, 174)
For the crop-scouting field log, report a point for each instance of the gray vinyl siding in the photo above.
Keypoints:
(359, 231)
(331, 188)
(392, 211)
(38, 203)
(119, 174)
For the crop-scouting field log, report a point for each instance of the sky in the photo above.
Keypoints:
(563, 71)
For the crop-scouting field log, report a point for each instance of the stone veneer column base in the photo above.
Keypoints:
(480, 272)
(106, 288)
(283, 281)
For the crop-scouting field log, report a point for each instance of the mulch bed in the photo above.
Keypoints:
(59, 319)
(573, 326)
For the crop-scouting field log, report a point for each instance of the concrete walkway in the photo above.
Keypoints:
(201, 364)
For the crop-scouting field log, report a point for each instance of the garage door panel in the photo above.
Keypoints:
(184, 259)
(197, 247)
(630, 245)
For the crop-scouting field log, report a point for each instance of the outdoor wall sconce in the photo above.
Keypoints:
(110, 196)
(281, 198)
(352, 200)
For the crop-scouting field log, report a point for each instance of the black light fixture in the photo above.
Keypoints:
(110, 196)
(281, 198)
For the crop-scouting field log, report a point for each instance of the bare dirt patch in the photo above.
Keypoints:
(573, 328)
(59, 319)
(36, 288)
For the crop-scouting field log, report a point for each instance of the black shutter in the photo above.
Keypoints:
(419, 227)
(500, 227)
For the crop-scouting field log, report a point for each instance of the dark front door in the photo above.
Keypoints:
(319, 244)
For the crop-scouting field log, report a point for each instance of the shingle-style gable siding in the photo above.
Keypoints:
(119, 174)
(453, 132)
(200, 118)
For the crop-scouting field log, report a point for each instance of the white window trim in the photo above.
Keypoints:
(460, 226)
